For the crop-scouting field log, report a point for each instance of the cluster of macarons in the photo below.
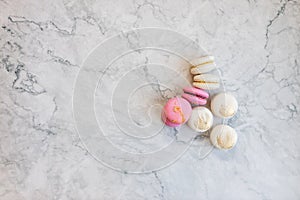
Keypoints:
(190, 107)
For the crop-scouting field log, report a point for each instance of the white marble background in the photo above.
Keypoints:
(42, 44)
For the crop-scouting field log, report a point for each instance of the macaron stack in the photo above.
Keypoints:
(190, 107)
(202, 79)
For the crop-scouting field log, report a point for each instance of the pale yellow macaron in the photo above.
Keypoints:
(206, 81)
(223, 137)
(202, 65)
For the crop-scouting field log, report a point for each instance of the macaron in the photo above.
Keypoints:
(201, 119)
(176, 112)
(224, 105)
(195, 95)
(202, 65)
(206, 81)
(223, 137)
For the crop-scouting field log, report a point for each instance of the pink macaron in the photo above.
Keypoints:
(195, 95)
(176, 112)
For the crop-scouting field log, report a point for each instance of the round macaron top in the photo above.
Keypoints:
(223, 137)
(224, 105)
(201, 119)
(196, 91)
(177, 110)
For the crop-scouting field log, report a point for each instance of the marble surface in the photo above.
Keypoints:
(43, 45)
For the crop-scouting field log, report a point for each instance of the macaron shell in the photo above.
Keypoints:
(177, 110)
(194, 99)
(196, 91)
(224, 105)
(203, 68)
(201, 119)
(223, 137)
(201, 60)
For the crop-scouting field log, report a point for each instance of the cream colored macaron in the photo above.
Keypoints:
(206, 81)
(223, 137)
(224, 105)
(201, 119)
(203, 65)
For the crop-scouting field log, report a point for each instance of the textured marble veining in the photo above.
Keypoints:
(43, 45)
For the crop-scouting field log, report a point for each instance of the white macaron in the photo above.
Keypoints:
(223, 137)
(201, 119)
(224, 105)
